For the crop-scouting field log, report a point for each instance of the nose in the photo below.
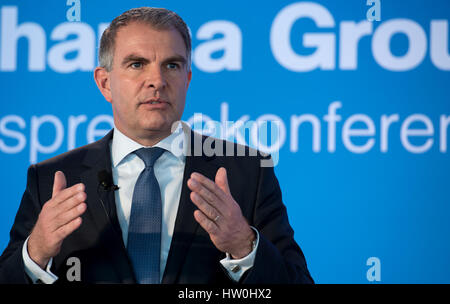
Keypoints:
(155, 78)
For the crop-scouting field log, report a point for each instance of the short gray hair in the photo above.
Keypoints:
(158, 18)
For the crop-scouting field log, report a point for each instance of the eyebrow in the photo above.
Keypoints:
(134, 57)
(177, 58)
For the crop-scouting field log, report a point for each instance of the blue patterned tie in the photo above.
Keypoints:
(144, 231)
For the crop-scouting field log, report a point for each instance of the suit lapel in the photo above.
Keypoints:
(104, 215)
(185, 225)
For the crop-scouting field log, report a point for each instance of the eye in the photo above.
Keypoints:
(173, 66)
(136, 65)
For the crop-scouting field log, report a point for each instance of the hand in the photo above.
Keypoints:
(59, 217)
(220, 215)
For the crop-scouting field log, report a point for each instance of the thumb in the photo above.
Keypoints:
(222, 180)
(59, 183)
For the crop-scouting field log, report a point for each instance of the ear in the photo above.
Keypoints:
(189, 77)
(101, 76)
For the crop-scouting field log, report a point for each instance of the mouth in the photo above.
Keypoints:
(154, 103)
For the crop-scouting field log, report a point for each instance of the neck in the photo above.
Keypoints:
(148, 139)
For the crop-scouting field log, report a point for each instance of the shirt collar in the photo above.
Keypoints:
(122, 145)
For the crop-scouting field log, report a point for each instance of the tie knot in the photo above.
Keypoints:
(149, 155)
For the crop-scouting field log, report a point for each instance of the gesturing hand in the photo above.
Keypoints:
(220, 215)
(59, 217)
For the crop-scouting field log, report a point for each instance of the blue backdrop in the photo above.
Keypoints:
(362, 106)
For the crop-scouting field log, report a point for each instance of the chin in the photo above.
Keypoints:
(156, 126)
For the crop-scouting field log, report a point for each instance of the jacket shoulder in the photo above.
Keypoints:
(77, 156)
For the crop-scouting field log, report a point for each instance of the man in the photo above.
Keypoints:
(173, 217)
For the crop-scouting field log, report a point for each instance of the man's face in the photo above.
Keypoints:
(148, 81)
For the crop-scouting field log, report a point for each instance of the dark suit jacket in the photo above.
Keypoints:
(192, 258)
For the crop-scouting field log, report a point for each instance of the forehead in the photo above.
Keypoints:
(142, 37)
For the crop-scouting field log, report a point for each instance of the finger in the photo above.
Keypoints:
(222, 180)
(67, 193)
(67, 229)
(59, 183)
(206, 223)
(200, 189)
(206, 208)
(210, 186)
(68, 216)
(71, 202)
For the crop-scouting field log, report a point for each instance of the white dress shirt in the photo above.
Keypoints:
(169, 170)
